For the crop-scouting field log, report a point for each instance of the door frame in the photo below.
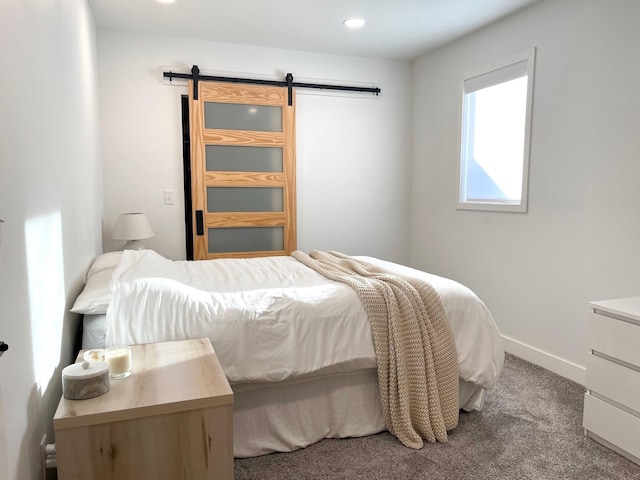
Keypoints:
(186, 172)
(4, 459)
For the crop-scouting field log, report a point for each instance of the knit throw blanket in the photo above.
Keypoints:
(415, 350)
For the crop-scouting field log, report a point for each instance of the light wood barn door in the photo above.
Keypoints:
(242, 171)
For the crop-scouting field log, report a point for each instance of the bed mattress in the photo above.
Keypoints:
(94, 331)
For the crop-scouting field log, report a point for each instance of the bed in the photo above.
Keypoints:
(296, 347)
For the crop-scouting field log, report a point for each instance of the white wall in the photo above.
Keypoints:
(51, 199)
(579, 240)
(353, 153)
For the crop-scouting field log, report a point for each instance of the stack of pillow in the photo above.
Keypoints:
(95, 298)
(96, 295)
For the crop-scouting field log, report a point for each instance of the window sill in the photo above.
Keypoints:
(493, 207)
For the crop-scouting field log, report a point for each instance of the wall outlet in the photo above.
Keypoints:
(169, 197)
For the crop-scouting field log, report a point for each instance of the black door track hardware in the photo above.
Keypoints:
(288, 82)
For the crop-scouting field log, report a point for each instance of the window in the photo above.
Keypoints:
(494, 146)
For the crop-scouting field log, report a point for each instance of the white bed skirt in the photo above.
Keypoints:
(286, 416)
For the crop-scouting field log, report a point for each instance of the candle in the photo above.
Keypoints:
(119, 360)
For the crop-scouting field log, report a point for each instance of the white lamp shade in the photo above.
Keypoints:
(132, 226)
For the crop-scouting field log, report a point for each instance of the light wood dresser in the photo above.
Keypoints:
(172, 418)
(612, 401)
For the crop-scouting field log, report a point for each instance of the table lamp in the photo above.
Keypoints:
(132, 227)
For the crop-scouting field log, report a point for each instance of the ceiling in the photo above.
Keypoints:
(394, 29)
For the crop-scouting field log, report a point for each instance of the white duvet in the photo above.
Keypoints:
(272, 318)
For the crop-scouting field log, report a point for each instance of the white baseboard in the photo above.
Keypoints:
(558, 365)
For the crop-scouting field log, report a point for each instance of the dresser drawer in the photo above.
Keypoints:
(617, 338)
(617, 382)
(612, 424)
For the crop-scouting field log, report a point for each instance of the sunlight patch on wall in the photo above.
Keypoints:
(46, 293)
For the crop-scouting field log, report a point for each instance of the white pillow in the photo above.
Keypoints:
(96, 295)
(106, 261)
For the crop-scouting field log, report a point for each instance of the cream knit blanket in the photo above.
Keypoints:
(415, 350)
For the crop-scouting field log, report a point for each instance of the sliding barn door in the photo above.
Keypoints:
(242, 171)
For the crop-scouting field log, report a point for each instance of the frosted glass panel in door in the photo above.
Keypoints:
(234, 116)
(231, 158)
(246, 239)
(245, 199)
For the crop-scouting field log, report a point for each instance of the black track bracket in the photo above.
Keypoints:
(288, 82)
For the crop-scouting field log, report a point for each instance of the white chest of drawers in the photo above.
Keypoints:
(612, 401)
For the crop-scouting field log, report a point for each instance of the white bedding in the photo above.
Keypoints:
(272, 319)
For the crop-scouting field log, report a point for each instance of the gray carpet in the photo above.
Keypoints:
(530, 428)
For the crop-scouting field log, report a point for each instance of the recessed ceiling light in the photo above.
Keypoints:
(166, 1)
(354, 22)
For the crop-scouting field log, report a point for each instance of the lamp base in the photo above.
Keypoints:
(133, 245)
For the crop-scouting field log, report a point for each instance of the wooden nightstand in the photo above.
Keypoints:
(612, 401)
(172, 418)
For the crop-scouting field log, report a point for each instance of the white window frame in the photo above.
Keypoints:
(480, 79)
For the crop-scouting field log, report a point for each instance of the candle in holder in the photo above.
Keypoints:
(119, 360)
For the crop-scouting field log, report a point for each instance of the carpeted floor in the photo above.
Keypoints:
(531, 428)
